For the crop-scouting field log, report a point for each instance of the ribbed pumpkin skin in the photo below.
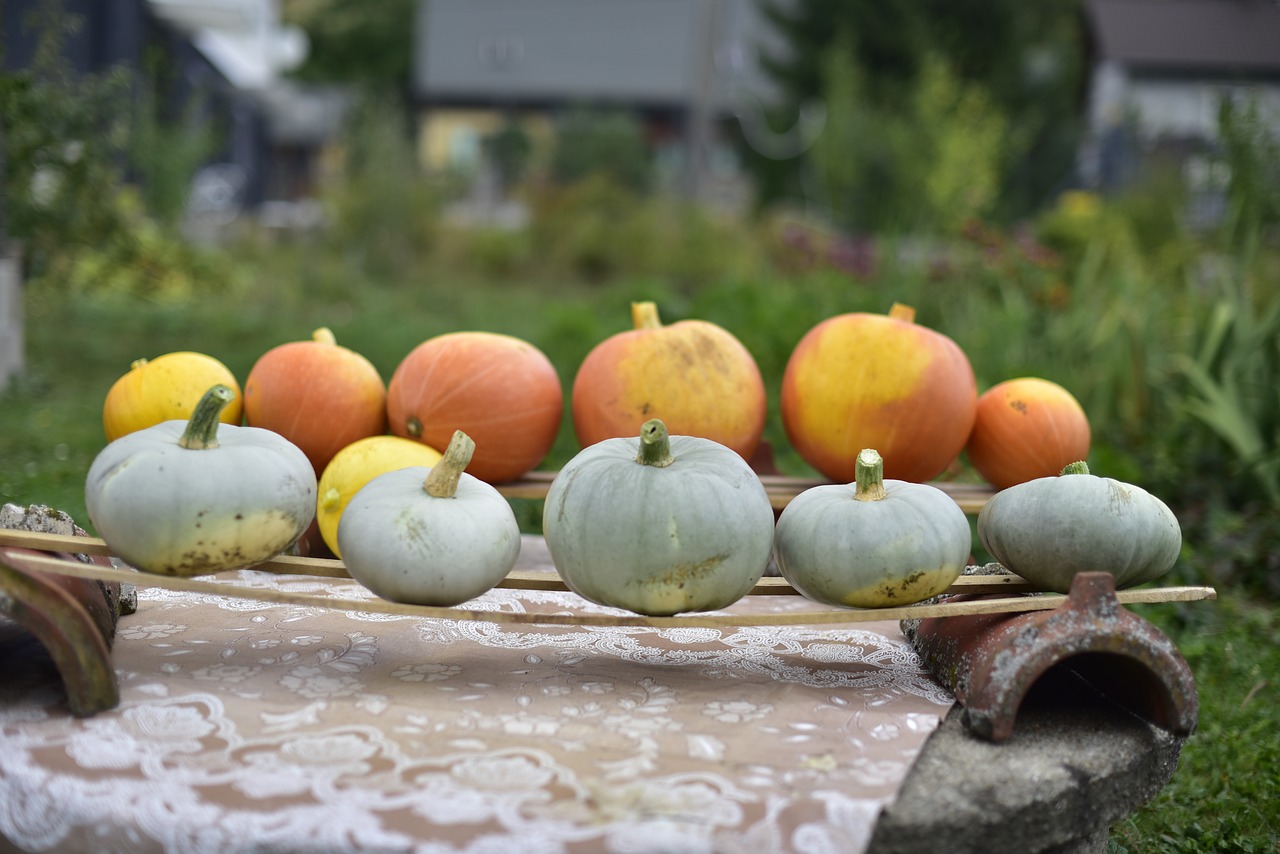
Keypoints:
(319, 395)
(166, 388)
(1026, 428)
(356, 465)
(500, 390)
(862, 380)
(840, 551)
(693, 536)
(407, 546)
(694, 375)
(173, 511)
(1050, 528)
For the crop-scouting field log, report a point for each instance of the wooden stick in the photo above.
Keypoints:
(828, 617)
(518, 579)
(780, 489)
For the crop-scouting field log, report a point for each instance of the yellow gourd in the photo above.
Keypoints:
(166, 388)
(357, 464)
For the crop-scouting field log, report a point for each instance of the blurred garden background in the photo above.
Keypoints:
(1046, 183)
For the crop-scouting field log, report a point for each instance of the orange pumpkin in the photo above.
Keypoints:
(1026, 428)
(862, 380)
(500, 390)
(317, 394)
(694, 375)
(166, 388)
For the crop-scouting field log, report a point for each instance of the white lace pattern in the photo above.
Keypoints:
(247, 727)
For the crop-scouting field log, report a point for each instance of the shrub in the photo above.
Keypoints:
(384, 212)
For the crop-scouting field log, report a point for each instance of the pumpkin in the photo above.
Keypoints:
(500, 390)
(430, 536)
(872, 543)
(317, 394)
(1024, 429)
(658, 525)
(190, 498)
(353, 467)
(873, 381)
(1048, 529)
(165, 388)
(694, 375)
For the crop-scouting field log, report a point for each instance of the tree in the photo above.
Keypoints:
(1025, 57)
(357, 42)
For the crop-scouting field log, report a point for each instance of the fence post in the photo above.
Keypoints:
(12, 349)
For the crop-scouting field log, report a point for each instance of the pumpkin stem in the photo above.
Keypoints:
(655, 445)
(644, 315)
(905, 313)
(868, 474)
(324, 335)
(1078, 467)
(442, 480)
(202, 429)
(137, 363)
(330, 500)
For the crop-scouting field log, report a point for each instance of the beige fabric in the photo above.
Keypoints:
(252, 727)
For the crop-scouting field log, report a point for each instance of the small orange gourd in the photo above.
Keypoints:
(1026, 428)
(500, 390)
(317, 394)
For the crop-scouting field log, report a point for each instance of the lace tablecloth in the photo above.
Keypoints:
(245, 726)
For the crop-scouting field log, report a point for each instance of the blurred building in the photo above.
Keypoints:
(685, 69)
(1160, 69)
(224, 61)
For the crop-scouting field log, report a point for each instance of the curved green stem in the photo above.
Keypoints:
(1078, 467)
(323, 335)
(202, 429)
(868, 473)
(655, 444)
(442, 480)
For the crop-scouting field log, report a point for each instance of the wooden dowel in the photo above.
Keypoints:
(995, 605)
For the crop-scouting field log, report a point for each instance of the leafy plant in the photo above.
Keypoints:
(166, 144)
(1232, 375)
(601, 143)
(1251, 151)
(384, 209)
(84, 228)
(64, 141)
(931, 163)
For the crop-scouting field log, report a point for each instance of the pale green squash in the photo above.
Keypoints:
(430, 535)
(195, 497)
(659, 525)
(1051, 528)
(873, 543)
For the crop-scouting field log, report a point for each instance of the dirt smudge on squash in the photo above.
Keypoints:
(686, 573)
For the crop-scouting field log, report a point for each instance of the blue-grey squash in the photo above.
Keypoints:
(1051, 528)
(196, 497)
(430, 535)
(658, 525)
(872, 543)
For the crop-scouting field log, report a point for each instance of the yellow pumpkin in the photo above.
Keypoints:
(694, 375)
(862, 380)
(166, 388)
(357, 464)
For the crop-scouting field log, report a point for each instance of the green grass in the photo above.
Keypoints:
(1224, 795)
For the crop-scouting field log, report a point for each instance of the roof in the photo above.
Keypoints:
(652, 52)
(243, 39)
(1229, 37)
